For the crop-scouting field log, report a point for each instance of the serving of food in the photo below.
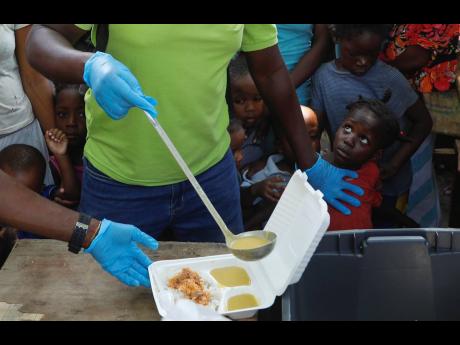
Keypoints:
(191, 285)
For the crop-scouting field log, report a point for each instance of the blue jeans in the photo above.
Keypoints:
(176, 206)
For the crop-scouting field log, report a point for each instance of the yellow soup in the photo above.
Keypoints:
(231, 276)
(242, 302)
(248, 243)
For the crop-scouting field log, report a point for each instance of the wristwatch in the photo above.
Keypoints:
(79, 233)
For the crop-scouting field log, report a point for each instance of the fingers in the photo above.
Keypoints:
(348, 173)
(137, 99)
(352, 188)
(141, 257)
(348, 199)
(338, 206)
(139, 278)
(144, 274)
(144, 239)
(127, 279)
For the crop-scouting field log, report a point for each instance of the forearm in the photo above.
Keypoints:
(411, 60)
(69, 180)
(313, 58)
(40, 93)
(51, 53)
(28, 211)
(416, 136)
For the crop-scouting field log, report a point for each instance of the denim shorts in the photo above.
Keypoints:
(176, 207)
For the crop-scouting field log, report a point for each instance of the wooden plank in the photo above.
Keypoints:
(43, 277)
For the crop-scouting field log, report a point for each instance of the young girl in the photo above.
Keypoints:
(66, 142)
(359, 72)
(367, 130)
(247, 105)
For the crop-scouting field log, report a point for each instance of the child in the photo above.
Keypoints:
(247, 105)
(359, 72)
(367, 130)
(237, 139)
(27, 165)
(66, 142)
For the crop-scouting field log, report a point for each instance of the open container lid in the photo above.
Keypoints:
(299, 220)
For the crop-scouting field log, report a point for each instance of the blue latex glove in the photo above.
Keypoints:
(114, 86)
(115, 249)
(330, 181)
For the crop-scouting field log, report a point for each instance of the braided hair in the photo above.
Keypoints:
(389, 130)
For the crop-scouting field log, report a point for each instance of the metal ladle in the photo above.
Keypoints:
(255, 253)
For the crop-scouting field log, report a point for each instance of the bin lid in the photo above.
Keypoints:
(299, 220)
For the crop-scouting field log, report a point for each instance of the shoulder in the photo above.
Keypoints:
(389, 72)
(324, 72)
(369, 171)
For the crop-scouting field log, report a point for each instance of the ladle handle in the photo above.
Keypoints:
(220, 222)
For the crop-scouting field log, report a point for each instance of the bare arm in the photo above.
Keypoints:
(314, 57)
(26, 210)
(37, 88)
(276, 88)
(422, 124)
(411, 60)
(50, 50)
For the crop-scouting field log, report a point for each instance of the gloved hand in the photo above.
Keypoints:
(330, 181)
(114, 247)
(114, 86)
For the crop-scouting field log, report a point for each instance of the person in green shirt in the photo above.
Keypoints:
(130, 175)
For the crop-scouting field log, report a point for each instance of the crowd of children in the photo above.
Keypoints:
(374, 118)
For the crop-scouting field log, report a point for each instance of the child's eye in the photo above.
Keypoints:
(81, 114)
(347, 129)
(257, 99)
(364, 140)
(60, 114)
(238, 101)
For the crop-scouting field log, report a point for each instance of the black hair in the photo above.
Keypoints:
(238, 67)
(234, 125)
(389, 130)
(352, 30)
(21, 157)
(80, 88)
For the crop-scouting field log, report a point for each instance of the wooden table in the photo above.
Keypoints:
(41, 280)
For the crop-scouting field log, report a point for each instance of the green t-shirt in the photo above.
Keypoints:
(182, 66)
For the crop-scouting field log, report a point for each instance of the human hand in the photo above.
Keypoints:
(270, 188)
(115, 248)
(114, 86)
(61, 198)
(330, 181)
(57, 141)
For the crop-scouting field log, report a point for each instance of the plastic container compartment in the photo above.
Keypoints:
(299, 220)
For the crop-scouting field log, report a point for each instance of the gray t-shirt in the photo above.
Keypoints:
(15, 108)
(334, 89)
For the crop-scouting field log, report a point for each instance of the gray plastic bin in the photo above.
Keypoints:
(398, 274)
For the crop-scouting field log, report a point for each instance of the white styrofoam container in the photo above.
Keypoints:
(299, 220)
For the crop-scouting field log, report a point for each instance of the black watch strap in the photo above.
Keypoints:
(79, 233)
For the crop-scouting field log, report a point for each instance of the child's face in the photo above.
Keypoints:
(356, 140)
(247, 103)
(359, 53)
(311, 122)
(70, 116)
(32, 178)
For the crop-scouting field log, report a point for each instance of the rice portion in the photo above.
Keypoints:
(191, 285)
